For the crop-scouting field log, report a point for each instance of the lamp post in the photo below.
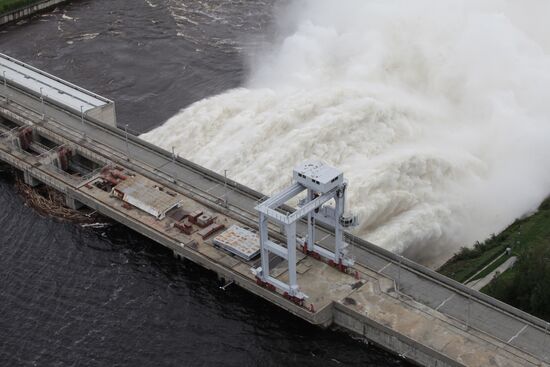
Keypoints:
(127, 144)
(225, 187)
(42, 102)
(468, 322)
(546, 333)
(174, 163)
(6, 87)
(399, 275)
(82, 121)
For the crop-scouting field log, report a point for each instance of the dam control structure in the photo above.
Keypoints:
(323, 184)
(300, 259)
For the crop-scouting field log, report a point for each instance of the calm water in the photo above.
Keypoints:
(71, 296)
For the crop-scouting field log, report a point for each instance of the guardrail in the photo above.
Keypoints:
(390, 256)
(359, 242)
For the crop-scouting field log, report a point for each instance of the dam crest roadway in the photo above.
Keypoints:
(63, 136)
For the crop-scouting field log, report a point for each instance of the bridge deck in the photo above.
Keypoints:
(466, 313)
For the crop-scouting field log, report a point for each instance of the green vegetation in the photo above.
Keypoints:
(489, 269)
(527, 284)
(468, 261)
(8, 5)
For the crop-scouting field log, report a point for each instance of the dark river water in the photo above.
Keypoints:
(72, 296)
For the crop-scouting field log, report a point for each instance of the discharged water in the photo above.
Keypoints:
(72, 296)
(436, 110)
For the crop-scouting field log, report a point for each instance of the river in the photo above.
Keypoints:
(73, 296)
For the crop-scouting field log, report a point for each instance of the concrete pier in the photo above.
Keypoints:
(72, 203)
(29, 180)
(392, 302)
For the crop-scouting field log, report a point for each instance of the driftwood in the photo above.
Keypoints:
(51, 203)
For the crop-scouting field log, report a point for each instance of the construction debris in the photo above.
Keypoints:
(210, 230)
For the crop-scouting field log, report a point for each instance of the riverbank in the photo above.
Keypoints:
(9, 5)
(14, 10)
(524, 285)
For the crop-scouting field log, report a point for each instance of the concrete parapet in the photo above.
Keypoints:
(420, 334)
(389, 339)
(374, 308)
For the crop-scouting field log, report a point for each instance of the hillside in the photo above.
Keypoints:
(527, 284)
(8, 5)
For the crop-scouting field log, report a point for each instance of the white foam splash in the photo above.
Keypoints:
(437, 110)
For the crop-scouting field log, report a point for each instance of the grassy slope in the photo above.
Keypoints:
(462, 269)
(525, 285)
(7, 5)
(501, 260)
(468, 261)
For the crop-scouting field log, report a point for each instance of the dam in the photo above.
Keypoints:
(57, 134)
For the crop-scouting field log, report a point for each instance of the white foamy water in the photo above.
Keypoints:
(437, 110)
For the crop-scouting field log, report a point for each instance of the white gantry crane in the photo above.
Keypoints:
(323, 183)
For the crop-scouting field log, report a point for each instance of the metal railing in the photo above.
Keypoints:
(403, 263)
(91, 175)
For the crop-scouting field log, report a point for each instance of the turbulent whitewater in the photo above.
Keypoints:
(437, 111)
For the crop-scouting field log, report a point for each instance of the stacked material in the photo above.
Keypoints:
(178, 214)
(204, 220)
(239, 241)
(210, 230)
(146, 195)
(185, 226)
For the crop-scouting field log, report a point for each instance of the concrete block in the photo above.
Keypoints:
(73, 203)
